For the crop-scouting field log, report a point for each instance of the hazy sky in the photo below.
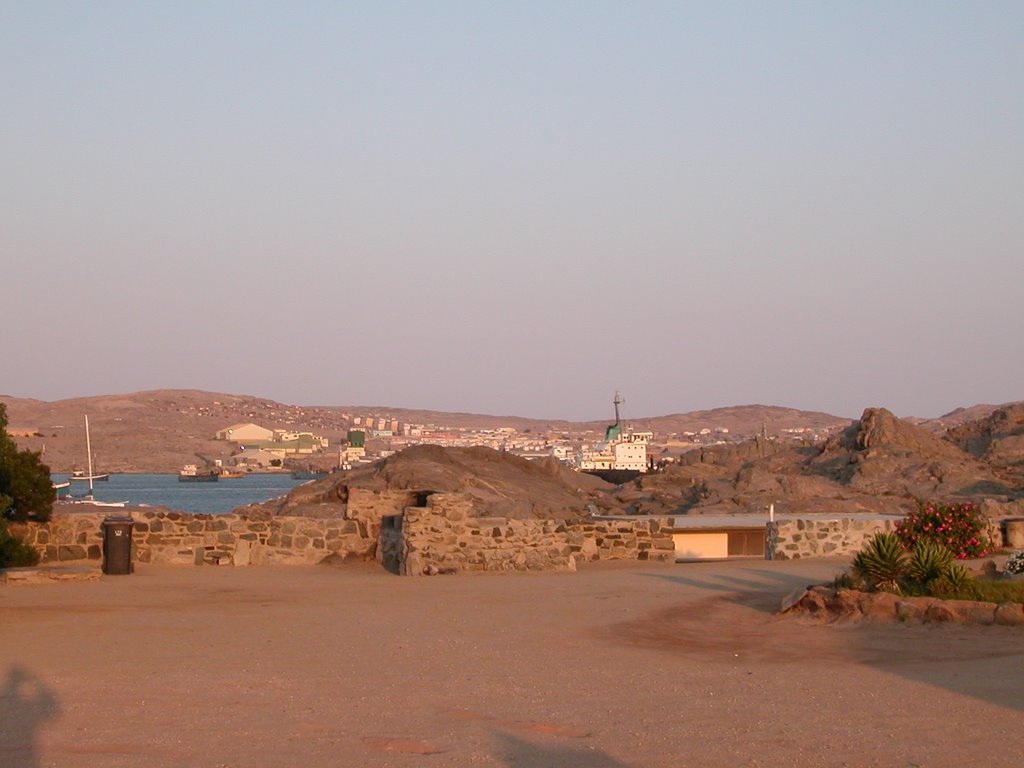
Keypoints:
(516, 208)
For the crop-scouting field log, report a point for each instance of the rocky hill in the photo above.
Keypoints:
(499, 484)
(155, 431)
(997, 439)
(880, 463)
(160, 430)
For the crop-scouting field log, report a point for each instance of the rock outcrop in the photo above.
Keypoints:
(880, 463)
(496, 483)
(847, 605)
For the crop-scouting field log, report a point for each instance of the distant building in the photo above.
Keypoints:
(245, 433)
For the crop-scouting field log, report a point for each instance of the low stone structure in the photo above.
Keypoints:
(792, 539)
(828, 604)
(410, 533)
(415, 533)
(444, 536)
(194, 539)
(1013, 533)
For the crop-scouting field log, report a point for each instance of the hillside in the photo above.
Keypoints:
(498, 483)
(160, 430)
(879, 464)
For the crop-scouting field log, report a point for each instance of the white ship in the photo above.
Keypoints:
(620, 450)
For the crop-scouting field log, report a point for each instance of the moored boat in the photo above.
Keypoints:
(298, 475)
(190, 474)
(83, 476)
(93, 502)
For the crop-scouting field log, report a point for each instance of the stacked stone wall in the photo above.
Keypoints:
(446, 536)
(363, 504)
(805, 537)
(194, 539)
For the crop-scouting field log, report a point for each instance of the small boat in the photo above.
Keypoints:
(190, 474)
(83, 476)
(93, 502)
(299, 475)
(228, 474)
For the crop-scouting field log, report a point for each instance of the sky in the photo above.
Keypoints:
(516, 208)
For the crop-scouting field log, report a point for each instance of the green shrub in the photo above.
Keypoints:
(998, 591)
(882, 562)
(13, 551)
(848, 580)
(25, 486)
(957, 580)
(929, 561)
(958, 527)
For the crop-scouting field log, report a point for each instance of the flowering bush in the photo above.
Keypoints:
(958, 527)
(1015, 562)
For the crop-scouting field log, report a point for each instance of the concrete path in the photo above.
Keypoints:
(617, 665)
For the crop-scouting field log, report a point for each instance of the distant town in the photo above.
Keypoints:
(371, 436)
(166, 430)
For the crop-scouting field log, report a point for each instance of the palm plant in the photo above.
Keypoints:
(956, 579)
(882, 562)
(929, 561)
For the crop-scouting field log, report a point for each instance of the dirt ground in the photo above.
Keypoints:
(617, 665)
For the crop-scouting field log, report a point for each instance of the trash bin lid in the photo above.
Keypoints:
(118, 520)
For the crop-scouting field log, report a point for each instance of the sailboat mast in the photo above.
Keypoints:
(88, 451)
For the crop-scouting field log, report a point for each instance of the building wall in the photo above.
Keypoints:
(797, 538)
(239, 433)
(445, 537)
(193, 539)
(413, 534)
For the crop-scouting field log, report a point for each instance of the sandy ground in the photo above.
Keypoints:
(638, 665)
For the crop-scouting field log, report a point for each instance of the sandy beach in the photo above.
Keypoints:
(617, 665)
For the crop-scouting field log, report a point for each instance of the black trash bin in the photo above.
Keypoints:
(117, 545)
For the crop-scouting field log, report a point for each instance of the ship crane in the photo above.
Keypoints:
(614, 430)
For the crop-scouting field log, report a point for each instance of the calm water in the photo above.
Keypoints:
(166, 491)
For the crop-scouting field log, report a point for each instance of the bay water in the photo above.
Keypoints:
(215, 498)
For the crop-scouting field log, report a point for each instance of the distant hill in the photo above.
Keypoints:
(160, 430)
(960, 416)
(744, 420)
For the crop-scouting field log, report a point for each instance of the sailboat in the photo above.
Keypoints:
(88, 499)
(80, 476)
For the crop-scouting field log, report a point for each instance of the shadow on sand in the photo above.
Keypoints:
(757, 588)
(517, 752)
(739, 612)
(26, 704)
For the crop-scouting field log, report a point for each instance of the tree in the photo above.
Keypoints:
(14, 552)
(25, 486)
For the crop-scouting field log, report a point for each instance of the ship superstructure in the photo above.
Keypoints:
(621, 449)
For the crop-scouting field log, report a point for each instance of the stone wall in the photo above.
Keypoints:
(195, 539)
(805, 537)
(445, 536)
